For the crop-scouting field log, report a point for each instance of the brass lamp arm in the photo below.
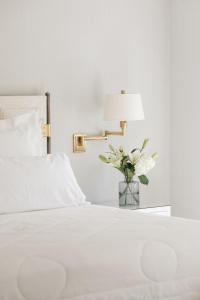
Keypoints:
(123, 126)
(96, 138)
(79, 140)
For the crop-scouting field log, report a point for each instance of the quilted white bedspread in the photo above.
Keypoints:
(98, 253)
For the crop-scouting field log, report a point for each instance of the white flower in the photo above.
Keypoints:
(135, 156)
(116, 163)
(144, 165)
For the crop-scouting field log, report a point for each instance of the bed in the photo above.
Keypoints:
(93, 253)
(72, 250)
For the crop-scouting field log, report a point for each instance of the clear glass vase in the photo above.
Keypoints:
(129, 194)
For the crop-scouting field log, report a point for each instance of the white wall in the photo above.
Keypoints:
(185, 108)
(79, 51)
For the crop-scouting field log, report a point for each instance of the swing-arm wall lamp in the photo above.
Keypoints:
(118, 107)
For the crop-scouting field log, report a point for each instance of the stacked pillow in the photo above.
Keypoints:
(21, 135)
(34, 183)
(28, 180)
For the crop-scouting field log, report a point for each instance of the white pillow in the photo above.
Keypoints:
(21, 136)
(34, 183)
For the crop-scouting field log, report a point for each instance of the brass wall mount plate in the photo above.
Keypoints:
(79, 144)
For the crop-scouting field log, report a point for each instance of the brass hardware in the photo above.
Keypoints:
(46, 130)
(123, 125)
(79, 144)
(79, 140)
(96, 138)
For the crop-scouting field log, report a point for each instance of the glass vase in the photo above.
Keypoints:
(129, 194)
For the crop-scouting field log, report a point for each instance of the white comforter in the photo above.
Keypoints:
(98, 253)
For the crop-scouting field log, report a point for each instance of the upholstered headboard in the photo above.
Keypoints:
(14, 105)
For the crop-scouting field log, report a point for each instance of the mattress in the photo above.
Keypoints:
(98, 253)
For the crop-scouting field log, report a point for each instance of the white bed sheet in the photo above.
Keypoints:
(98, 253)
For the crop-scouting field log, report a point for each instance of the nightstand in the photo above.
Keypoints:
(158, 210)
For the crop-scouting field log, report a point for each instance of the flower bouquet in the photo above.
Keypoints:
(135, 164)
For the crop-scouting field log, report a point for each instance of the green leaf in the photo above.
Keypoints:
(154, 155)
(111, 148)
(143, 179)
(134, 150)
(103, 158)
(145, 143)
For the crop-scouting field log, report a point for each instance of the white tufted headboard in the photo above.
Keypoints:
(15, 105)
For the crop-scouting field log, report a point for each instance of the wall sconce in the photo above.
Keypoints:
(118, 107)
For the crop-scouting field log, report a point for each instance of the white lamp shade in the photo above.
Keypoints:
(123, 107)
